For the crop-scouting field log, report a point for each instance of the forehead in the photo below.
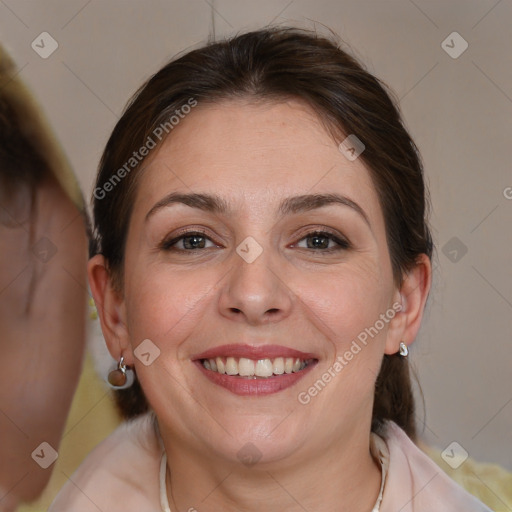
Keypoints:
(254, 153)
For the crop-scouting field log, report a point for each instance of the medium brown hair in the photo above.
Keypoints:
(277, 64)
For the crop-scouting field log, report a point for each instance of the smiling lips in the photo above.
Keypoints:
(248, 370)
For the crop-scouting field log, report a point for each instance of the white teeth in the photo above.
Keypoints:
(220, 365)
(262, 368)
(245, 367)
(278, 365)
(231, 366)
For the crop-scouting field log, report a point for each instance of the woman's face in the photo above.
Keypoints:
(238, 276)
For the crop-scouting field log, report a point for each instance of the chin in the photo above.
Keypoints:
(260, 440)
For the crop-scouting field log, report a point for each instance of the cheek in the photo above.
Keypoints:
(346, 300)
(349, 308)
(165, 306)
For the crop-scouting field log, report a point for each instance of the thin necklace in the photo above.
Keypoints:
(164, 501)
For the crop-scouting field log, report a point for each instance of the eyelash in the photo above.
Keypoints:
(343, 244)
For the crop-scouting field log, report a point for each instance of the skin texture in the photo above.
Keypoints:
(317, 300)
(42, 314)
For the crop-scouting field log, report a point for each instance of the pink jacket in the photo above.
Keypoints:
(414, 483)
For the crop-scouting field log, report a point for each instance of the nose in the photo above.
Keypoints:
(255, 293)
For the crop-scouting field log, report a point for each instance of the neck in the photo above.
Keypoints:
(341, 478)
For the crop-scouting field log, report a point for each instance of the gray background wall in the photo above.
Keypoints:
(459, 110)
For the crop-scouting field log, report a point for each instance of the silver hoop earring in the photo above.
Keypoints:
(404, 349)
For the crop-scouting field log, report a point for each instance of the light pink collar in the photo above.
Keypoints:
(411, 481)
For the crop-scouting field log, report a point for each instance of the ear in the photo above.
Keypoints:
(111, 309)
(412, 295)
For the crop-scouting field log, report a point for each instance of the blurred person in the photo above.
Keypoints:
(43, 292)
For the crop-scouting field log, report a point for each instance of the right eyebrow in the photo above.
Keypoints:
(207, 202)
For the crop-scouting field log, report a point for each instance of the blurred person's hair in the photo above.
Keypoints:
(29, 153)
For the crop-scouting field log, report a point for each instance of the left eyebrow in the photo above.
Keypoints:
(308, 202)
(291, 205)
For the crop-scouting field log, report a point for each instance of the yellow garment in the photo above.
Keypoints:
(490, 483)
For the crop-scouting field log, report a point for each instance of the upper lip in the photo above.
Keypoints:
(253, 352)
